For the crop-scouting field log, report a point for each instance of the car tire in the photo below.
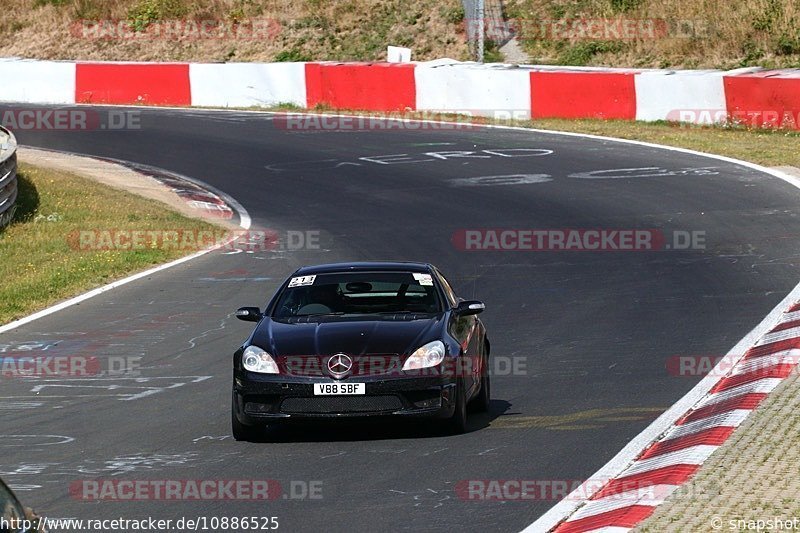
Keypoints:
(241, 432)
(457, 424)
(480, 404)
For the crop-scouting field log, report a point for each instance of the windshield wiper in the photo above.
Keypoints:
(405, 313)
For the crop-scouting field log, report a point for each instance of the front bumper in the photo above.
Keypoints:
(261, 398)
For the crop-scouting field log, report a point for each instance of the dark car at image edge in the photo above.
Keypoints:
(14, 518)
(367, 339)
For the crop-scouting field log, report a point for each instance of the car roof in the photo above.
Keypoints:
(365, 266)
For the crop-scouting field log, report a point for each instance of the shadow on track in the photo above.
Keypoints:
(371, 430)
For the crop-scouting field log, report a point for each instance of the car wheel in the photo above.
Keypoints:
(480, 404)
(241, 432)
(457, 423)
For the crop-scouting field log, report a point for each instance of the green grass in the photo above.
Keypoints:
(39, 264)
(762, 146)
(146, 12)
(708, 34)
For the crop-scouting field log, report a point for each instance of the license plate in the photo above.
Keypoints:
(336, 389)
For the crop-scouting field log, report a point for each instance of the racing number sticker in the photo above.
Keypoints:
(302, 281)
(424, 279)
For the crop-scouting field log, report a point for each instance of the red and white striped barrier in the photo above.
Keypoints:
(751, 96)
(673, 459)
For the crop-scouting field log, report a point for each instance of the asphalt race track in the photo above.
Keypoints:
(591, 333)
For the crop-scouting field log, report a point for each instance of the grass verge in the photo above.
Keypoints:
(659, 33)
(762, 146)
(230, 30)
(633, 33)
(39, 262)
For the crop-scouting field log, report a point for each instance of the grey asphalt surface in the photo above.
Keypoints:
(593, 330)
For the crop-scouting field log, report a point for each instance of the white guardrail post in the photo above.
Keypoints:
(8, 176)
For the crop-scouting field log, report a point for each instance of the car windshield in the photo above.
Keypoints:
(358, 293)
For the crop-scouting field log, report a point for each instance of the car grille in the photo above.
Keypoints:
(341, 404)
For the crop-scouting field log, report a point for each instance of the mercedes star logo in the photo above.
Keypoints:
(340, 365)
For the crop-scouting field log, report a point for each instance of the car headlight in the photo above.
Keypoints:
(429, 355)
(255, 359)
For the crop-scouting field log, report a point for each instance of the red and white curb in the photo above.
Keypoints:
(754, 96)
(673, 458)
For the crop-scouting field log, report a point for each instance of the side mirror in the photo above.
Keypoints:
(12, 508)
(249, 314)
(470, 307)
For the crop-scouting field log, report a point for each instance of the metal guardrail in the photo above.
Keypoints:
(8, 176)
(486, 21)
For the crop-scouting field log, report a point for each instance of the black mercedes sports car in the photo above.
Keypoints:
(361, 339)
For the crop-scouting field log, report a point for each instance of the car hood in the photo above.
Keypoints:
(353, 337)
